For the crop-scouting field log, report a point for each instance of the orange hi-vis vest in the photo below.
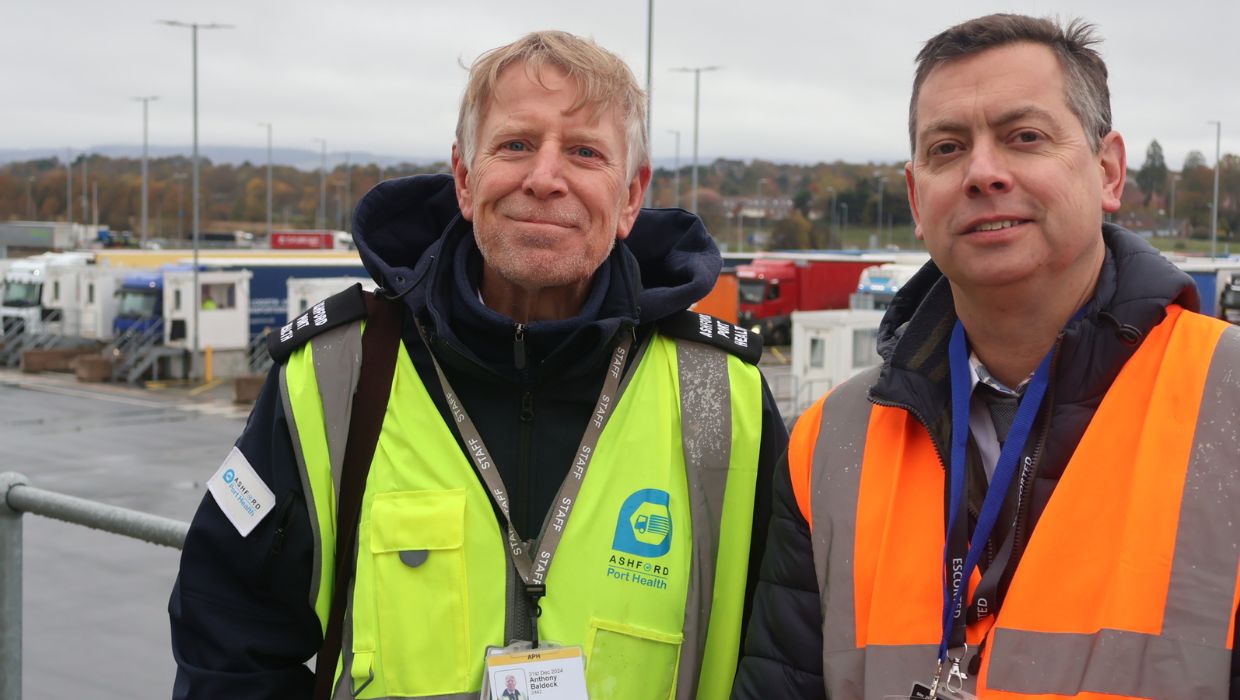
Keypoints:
(1128, 585)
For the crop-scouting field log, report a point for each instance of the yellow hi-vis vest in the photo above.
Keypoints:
(657, 610)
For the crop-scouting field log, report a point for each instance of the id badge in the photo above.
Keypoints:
(519, 672)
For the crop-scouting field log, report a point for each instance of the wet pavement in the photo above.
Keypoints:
(94, 614)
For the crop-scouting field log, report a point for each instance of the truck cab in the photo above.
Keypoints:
(768, 291)
(22, 308)
(140, 302)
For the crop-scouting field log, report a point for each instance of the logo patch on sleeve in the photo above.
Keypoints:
(238, 491)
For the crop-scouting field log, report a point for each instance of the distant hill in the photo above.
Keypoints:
(300, 158)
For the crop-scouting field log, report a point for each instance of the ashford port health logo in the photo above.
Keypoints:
(644, 526)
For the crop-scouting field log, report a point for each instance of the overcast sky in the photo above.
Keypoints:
(799, 81)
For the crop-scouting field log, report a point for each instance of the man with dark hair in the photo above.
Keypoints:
(1036, 494)
(531, 441)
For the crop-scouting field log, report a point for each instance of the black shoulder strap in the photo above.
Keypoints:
(336, 310)
(704, 328)
(380, 343)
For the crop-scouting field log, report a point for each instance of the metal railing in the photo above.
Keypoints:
(18, 497)
(136, 350)
(19, 337)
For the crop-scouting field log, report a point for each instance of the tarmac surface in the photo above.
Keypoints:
(95, 621)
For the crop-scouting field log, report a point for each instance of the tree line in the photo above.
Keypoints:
(806, 206)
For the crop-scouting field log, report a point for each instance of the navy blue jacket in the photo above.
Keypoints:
(242, 624)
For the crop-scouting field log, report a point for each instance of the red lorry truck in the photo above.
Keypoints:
(772, 288)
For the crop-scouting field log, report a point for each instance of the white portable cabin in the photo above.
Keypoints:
(223, 314)
(304, 292)
(99, 300)
(828, 347)
(65, 290)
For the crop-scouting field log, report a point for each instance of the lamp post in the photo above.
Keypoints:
(843, 221)
(30, 197)
(831, 190)
(194, 27)
(146, 101)
(320, 218)
(697, 93)
(268, 126)
(676, 173)
(1218, 135)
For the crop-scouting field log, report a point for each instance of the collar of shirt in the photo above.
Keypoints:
(978, 373)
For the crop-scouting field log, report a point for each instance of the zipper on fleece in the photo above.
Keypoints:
(518, 347)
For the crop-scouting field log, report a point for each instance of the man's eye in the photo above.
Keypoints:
(586, 152)
(514, 146)
(943, 149)
(1028, 137)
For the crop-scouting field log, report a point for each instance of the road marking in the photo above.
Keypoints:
(145, 403)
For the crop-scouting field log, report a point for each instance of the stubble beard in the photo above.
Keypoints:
(521, 260)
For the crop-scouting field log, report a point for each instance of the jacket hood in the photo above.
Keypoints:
(415, 244)
(1135, 285)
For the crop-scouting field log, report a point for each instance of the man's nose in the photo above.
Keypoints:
(988, 172)
(546, 176)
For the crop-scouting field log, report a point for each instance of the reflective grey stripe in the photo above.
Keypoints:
(345, 680)
(337, 356)
(1110, 662)
(337, 367)
(316, 565)
(706, 396)
(834, 482)
(877, 671)
(1203, 572)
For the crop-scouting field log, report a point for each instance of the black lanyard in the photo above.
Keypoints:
(533, 569)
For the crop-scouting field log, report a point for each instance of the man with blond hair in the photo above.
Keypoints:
(1036, 495)
(532, 444)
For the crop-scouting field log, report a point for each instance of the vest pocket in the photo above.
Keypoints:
(625, 662)
(416, 542)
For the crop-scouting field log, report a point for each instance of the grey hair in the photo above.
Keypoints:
(603, 79)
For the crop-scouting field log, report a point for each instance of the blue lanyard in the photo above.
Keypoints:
(956, 575)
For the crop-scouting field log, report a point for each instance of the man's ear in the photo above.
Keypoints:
(460, 174)
(910, 181)
(1113, 166)
(633, 202)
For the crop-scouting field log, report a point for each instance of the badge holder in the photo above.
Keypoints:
(520, 671)
(534, 670)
